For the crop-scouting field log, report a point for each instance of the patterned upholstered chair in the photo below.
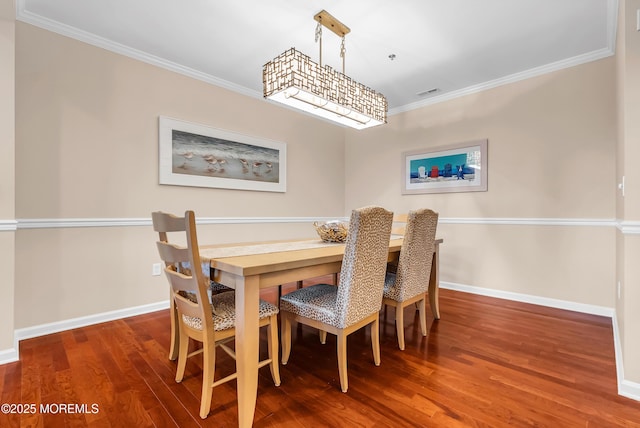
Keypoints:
(408, 285)
(210, 323)
(357, 299)
(163, 229)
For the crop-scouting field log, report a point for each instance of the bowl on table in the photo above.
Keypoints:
(332, 231)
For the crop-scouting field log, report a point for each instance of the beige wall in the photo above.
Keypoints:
(628, 207)
(7, 180)
(551, 155)
(86, 147)
(631, 112)
(96, 139)
(87, 132)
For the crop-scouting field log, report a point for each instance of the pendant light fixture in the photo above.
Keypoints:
(292, 78)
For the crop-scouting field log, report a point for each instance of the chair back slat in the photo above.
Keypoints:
(181, 281)
(165, 222)
(189, 286)
(364, 264)
(172, 254)
(416, 254)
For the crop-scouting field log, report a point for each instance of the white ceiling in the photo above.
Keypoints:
(457, 46)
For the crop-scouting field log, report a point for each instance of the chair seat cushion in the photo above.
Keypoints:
(317, 302)
(216, 287)
(224, 316)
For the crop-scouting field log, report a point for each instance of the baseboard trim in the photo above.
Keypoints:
(626, 388)
(629, 389)
(58, 326)
(9, 355)
(528, 298)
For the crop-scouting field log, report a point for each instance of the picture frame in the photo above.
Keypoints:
(192, 154)
(458, 167)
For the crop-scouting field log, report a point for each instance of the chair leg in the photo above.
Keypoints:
(285, 333)
(342, 360)
(422, 308)
(323, 336)
(400, 325)
(175, 333)
(208, 372)
(183, 350)
(375, 341)
(272, 335)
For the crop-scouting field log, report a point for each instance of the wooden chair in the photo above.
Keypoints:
(408, 284)
(164, 228)
(210, 323)
(357, 299)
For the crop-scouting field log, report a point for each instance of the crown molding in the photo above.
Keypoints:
(517, 77)
(39, 21)
(66, 30)
(612, 28)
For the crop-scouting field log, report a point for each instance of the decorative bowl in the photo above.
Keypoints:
(332, 231)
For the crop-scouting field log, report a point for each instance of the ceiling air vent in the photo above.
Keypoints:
(428, 92)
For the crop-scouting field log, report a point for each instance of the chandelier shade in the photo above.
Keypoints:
(292, 78)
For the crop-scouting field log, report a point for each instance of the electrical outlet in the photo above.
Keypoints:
(156, 269)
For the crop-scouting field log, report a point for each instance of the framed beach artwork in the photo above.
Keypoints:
(455, 168)
(198, 155)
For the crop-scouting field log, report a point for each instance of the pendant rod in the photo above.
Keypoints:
(327, 20)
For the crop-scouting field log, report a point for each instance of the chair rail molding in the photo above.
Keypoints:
(61, 223)
(529, 221)
(629, 227)
(8, 225)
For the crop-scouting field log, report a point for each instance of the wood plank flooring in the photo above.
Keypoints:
(486, 363)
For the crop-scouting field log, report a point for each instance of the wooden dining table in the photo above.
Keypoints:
(248, 268)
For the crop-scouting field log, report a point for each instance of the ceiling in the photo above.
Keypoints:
(455, 46)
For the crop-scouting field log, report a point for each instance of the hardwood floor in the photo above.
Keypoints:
(486, 363)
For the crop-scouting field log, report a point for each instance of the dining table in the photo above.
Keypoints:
(250, 267)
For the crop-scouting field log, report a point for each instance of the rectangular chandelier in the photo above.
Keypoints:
(292, 78)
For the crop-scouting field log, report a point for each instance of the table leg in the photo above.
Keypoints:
(247, 342)
(434, 283)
